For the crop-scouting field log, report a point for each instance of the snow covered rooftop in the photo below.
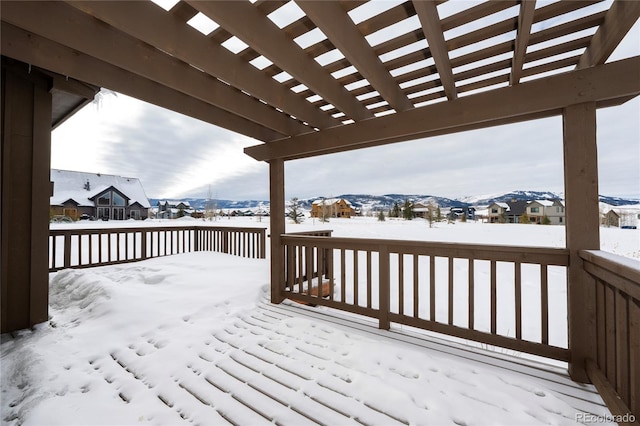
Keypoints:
(82, 186)
(174, 203)
(331, 201)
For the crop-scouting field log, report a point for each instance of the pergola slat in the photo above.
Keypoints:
(602, 83)
(428, 15)
(242, 20)
(63, 23)
(339, 28)
(617, 22)
(182, 41)
(33, 49)
(525, 19)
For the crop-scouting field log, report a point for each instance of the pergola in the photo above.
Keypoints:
(309, 78)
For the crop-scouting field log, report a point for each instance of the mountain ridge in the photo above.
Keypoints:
(386, 201)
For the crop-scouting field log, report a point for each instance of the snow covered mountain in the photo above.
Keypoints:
(367, 202)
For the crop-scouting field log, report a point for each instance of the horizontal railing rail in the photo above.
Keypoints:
(464, 290)
(617, 284)
(83, 248)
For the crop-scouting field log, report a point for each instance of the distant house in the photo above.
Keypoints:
(508, 212)
(611, 218)
(422, 210)
(625, 217)
(536, 210)
(552, 209)
(80, 194)
(170, 209)
(333, 207)
(458, 212)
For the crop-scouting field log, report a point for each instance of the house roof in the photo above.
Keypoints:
(331, 201)
(174, 203)
(71, 185)
(309, 78)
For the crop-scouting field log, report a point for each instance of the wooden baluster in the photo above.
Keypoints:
(622, 345)
(472, 294)
(309, 269)
(432, 288)
(416, 286)
(518, 299)
(109, 257)
(52, 265)
(343, 276)
(493, 297)
(290, 266)
(384, 283)
(544, 303)
(400, 283)
(450, 292)
(369, 279)
(610, 332)
(332, 281)
(80, 250)
(355, 277)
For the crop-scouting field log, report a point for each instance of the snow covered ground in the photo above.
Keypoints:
(189, 339)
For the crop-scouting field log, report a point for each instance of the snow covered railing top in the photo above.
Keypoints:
(83, 248)
(616, 371)
(506, 296)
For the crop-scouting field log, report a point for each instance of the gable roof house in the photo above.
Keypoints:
(170, 209)
(552, 209)
(536, 210)
(97, 195)
(508, 212)
(334, 207)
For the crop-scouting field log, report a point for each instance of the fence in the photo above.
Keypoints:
(617, 367)
(81, 248)
(466, 291)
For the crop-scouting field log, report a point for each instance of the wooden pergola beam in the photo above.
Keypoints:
(167, 32)
(64, 23)
(525, 19)
(432, 28)
(341, 31)
(617, 22)
(244, 21)
(33, 49)
(602, 83)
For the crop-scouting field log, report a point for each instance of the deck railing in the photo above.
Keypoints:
(617, 367)
(405, 281)
(82, 248)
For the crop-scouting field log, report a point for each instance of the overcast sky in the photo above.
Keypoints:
(176, 156)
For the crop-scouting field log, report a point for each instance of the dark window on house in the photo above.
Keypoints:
(535, 210)
(560, 220)
(494, 210)
(104, 200)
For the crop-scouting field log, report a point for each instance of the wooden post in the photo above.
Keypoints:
(582, 231)
(276, 199)
(25, 190)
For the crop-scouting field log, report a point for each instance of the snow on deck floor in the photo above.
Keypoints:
(189, 339)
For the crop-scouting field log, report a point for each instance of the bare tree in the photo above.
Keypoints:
(433, 211)
(210, 212)
(295, 211)
(324, 211)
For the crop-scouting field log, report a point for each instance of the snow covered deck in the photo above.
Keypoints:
(192, 339)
